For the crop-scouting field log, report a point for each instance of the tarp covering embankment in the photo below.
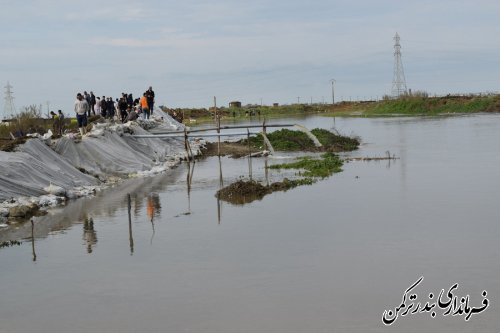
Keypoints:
(72, 163)
(113, 151)
(35, 166)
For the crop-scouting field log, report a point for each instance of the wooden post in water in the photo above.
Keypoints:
(33, 239)
(218, 209)
(221, 180)
(186, 144)
(221, 185)
(249, 155)
(189, 180)
(266, 170)
(215, 110)
(130, 236)
(218, 125)
(190, 151)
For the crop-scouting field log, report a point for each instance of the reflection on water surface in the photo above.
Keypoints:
(323, 258)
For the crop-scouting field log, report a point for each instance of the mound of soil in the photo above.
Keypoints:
(242, 192)
(246, 191)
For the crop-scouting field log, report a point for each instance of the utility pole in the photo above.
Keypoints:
(298, 100)
(333, 99)
(333, 90)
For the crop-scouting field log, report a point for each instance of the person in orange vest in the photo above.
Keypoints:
(144, 106)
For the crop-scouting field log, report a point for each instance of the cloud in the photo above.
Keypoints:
(126, 13)
(126, 42)
(241, 48)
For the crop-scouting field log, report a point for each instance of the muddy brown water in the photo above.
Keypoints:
(330, 257)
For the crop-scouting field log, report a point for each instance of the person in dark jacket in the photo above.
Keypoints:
(92, 103)
(104, 107)
(122, 105)
(86, 97)
(110, 108)
(150, 97)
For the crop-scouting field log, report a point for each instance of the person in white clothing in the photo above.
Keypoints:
(81, 109)
(98, 106)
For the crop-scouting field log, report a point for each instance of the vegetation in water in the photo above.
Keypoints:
(311, 169)
(328, 164)
(334, 141)
(9, 243)
(288, 140)
(284, 139)
(246, 191)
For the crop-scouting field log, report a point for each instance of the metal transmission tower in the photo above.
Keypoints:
(9, 110)
(398, 81)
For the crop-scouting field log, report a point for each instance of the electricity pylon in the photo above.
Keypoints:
(9, 110)
(398, 81)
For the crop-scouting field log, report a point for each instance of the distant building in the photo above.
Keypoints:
(235, 104)
(276, 104)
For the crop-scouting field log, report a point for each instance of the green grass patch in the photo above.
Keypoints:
(311, 169)
(288, 140)
(328, 164)
(341, 142)
(284, 140)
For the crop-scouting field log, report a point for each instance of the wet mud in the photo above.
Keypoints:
(246, 191)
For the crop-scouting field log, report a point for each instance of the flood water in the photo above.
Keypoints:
(330, 257)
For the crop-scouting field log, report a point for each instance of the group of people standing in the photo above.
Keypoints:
(58, 125)
(124, 109)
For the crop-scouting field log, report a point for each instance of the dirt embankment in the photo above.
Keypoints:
(243, 192)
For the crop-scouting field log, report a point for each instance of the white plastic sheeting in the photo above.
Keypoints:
(35, 166)
(32, 172)
(114, 152)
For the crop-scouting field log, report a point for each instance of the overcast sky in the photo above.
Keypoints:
(274, 50)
